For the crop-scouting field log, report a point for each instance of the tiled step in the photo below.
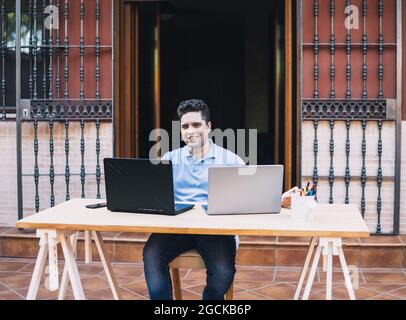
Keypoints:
(373, 252)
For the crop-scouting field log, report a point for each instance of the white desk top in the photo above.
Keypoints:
(326, 221)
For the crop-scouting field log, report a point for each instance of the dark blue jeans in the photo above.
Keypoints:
(218, 253)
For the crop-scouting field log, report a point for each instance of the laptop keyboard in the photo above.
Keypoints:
(150, 210)
(178, 207)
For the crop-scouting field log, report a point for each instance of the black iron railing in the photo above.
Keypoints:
(370, 109)
(38, 46)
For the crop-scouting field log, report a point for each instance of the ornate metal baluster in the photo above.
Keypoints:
(35, 51)
(67, 169)
(58, 53)
(379, 177)
(364, 51)
(44, 53)
(348, 53)
(97, 50)
(82, 94)
(380, 49)
(82, 50)
(36, 168)
(51, 168)
(30, 88)
(316, 88)
(50, 67)
(332, 49)
(66, 51)
(3, 58)
(347, 168)
(363, 169)
(82, 153)
(316, 49)
(380, 95)
(98, 172)
(315, 153)
(331, 171)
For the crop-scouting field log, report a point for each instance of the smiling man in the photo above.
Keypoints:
(190, 174)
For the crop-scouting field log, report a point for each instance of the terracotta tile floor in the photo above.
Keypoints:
(262, 283)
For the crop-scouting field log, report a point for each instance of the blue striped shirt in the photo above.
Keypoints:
(190, 175)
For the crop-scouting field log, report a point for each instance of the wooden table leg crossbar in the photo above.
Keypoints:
(49, 240)
(327, 247)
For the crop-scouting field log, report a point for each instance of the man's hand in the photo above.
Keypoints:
(287, 197)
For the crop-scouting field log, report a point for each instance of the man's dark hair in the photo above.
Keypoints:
(194, 105)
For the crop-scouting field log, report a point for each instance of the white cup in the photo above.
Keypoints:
(301, 206)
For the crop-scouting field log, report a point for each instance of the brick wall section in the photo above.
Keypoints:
(403, 182)
(8, 187)
(371, 190)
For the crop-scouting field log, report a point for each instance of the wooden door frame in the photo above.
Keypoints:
(292, 107)
(125, 118)
(288, 138)
(126, 74)
(298, 92)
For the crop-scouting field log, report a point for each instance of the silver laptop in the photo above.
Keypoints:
(245, 189)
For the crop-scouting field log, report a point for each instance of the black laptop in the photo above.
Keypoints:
(140, 186)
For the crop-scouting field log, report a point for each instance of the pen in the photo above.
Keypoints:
(314, 189)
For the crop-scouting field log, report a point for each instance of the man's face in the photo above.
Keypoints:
(194, 129)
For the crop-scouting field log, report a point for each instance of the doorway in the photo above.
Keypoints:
(229, 53)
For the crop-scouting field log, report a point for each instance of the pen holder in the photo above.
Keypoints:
(301, 206)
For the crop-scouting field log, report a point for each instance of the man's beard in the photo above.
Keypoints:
(194, 142)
